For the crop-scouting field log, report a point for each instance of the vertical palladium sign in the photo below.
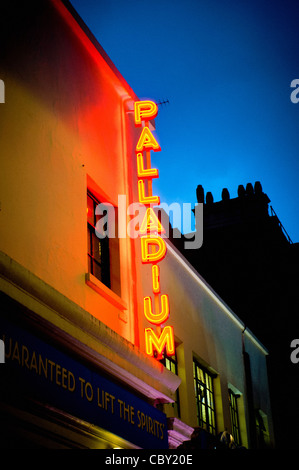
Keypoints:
(153, 246)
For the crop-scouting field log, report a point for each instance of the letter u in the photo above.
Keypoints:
(156, 318)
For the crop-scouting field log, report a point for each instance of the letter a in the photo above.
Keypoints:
(151, 223)
(147, 141)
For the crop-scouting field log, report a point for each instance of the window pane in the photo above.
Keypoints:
(171, 364)
(97, 271)
(90, 265)
(203, 385)
(89, 242)
(233, 402)
(101, 220)
(90, 210)
(96, 248)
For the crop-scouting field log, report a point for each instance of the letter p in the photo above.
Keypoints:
(144, 111)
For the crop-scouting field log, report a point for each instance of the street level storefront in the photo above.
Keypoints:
(37, 372)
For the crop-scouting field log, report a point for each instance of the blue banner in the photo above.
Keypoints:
(36, 369)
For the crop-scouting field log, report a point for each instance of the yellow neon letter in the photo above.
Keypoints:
(145, 172)
(166, 339)
(156, 318)
(151, 223)
(156, 278)
(146, 199)
(158, 255)
(144, 110)
(147, 141)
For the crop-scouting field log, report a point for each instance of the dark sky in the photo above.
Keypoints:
(226, 68)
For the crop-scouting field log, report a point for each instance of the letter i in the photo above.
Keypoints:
(156, 278)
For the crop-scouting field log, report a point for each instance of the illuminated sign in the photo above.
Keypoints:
(153, 247)
(36, 370)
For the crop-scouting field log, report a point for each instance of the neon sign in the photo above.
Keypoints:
(153, 247)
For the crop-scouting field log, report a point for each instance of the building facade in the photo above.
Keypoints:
(250, 260)
(76, 371)
(222, 365)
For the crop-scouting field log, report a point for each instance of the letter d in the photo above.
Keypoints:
(155, 256)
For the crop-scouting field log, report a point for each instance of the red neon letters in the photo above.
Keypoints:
(153, 247)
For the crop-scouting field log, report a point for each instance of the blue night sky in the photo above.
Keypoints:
(226, 68)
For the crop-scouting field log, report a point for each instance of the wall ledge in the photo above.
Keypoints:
(77, 328)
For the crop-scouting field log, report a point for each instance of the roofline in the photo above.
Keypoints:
(215, 296)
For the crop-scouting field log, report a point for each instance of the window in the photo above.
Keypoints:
(262, 429)
(234, 416)
(171, 363)
(98, 249)
(204, 394)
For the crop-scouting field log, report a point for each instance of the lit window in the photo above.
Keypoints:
(171, 363)
(234, 416)
(98, 249)
(204, 394)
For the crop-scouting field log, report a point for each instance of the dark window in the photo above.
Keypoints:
(171, 363)
(98, 249)
(234, 416)
(262, 428)
(204, 394)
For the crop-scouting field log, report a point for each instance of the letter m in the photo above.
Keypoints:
(2, 352)
(166, 339)
(2, 92)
